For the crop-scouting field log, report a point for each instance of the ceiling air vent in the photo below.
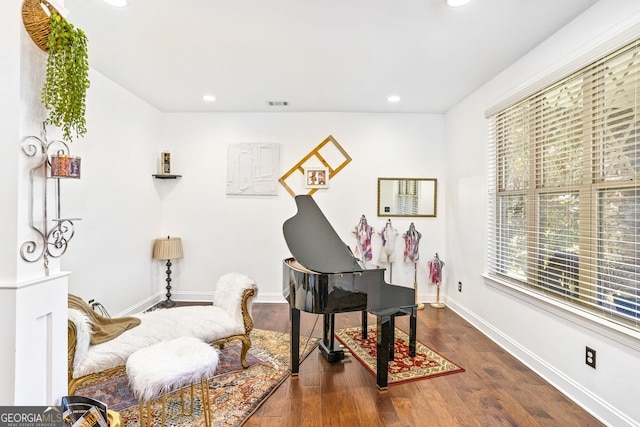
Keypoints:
(277, 103)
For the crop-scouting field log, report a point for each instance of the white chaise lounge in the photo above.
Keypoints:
(229, 318)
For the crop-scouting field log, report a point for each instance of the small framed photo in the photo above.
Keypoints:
(316, 177)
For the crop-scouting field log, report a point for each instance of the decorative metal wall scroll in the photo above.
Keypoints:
(53, 238)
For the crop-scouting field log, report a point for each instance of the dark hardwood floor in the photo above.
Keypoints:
(495, 390)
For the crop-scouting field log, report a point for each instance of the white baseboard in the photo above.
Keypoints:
(191, 297)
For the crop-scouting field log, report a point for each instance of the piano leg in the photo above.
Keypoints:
(412, 333)
(364, 324)
(392, 339)
(295, 341)
(383, 347)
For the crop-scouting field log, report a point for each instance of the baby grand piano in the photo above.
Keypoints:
(324, 277)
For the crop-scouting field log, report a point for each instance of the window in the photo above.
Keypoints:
(565, 189)
(407, 197)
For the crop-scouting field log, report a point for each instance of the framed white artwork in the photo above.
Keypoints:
(253, 168)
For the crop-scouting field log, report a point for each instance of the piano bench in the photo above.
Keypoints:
(391, 314)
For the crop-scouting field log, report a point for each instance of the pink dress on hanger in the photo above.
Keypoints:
(435, 270)
(363, 236)
(411, 243)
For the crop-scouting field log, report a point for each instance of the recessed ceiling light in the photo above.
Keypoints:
(456, 3)
(277, 103)
(208, 98)
(393, 98)
(117, 3)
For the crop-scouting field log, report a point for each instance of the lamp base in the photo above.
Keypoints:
(167, 303)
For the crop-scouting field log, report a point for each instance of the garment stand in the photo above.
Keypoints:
(437, 304)
(388, 235)
(415, 285)
(440, 264)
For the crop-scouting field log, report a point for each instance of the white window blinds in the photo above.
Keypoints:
(564, 179)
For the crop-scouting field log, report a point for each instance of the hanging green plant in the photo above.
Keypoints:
(67, 78)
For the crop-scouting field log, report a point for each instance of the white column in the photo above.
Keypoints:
(9, 137)
(41, 341)
(33, 314)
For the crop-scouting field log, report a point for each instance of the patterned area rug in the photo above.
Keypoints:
(426, 364)
(235, 393)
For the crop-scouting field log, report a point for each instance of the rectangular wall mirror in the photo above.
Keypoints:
(407, 196)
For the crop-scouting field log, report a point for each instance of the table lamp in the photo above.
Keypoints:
(168, 249)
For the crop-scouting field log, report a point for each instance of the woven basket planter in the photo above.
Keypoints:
(36, 21)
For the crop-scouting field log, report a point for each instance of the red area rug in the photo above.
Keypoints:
(426, 364)
(235, 393)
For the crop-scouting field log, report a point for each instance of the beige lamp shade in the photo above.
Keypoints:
(167, 248)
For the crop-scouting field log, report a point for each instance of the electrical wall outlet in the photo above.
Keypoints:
(459, 286)
(590, 357)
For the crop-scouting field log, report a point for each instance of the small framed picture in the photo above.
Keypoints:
(316, 177)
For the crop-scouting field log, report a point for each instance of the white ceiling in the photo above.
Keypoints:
(319, 55)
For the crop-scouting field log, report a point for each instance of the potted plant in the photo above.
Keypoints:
(67, 77)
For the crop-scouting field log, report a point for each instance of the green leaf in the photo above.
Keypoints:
(67, 78)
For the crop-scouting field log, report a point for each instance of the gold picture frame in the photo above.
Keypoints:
(316, 177)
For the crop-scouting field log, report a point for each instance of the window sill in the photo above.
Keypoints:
(607, 328)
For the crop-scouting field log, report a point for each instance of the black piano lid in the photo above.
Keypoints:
(314, 243)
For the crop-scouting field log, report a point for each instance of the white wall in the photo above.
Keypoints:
(9, 134)
(550, 340)
(124, 209)
(223, 233)
(116, 197)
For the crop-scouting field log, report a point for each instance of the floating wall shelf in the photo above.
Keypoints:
(166, 176)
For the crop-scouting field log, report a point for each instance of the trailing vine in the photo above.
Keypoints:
(67, 78)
